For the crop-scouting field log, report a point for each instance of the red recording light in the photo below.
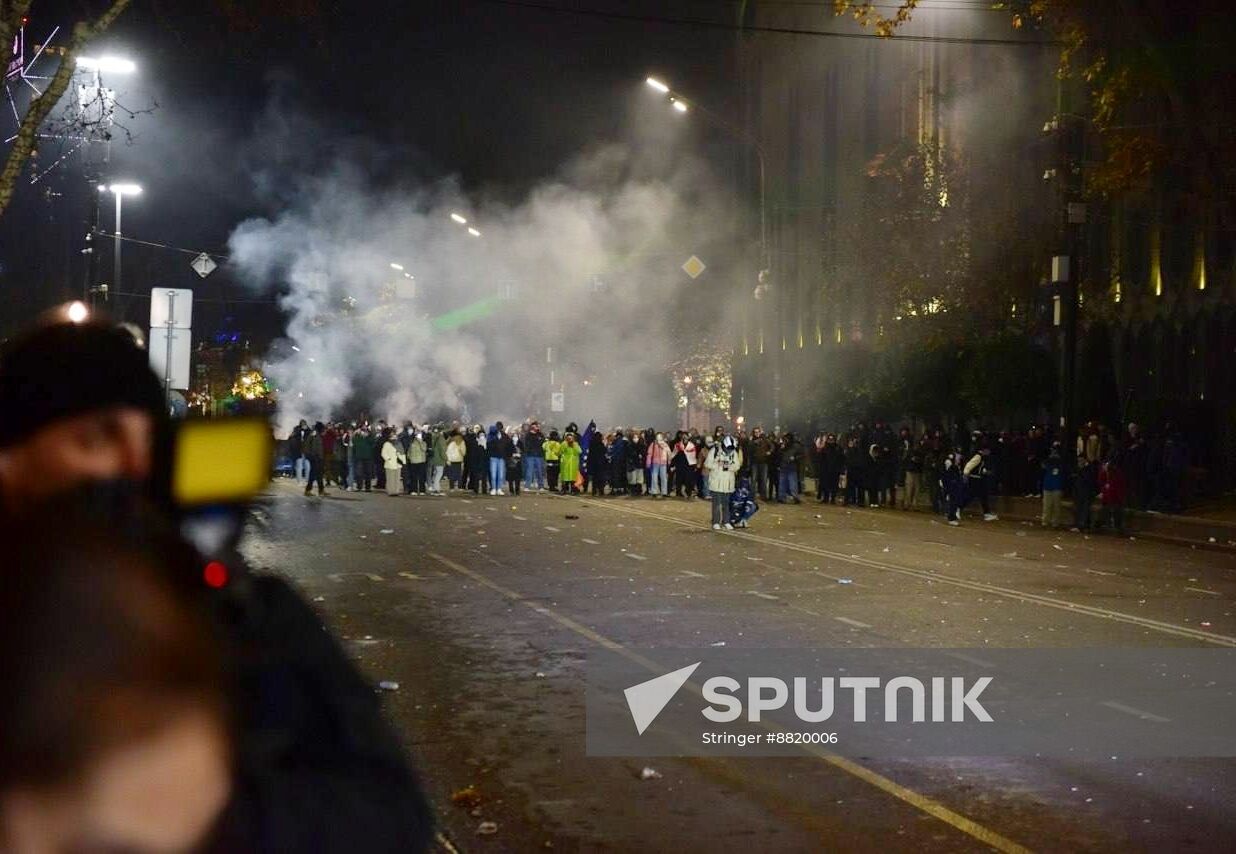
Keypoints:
(215, 574)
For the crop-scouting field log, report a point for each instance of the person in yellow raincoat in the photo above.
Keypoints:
(568, 463)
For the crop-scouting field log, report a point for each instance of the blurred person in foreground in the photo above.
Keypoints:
(116, 733)
(318, 767)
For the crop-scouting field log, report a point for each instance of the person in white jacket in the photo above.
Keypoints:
(393, 461)
(721, 465)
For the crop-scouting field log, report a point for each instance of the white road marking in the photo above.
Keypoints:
(1138, 713)
(1099, 572)
(336, 577)
(1201, 590)
(763, 595)
(552, 529)
(521, 518)
(589, 542)
(806, 610)
(634, 556)
(373, 577)
(855, 623)
(410, 576)
(691, 574)
(956, 581)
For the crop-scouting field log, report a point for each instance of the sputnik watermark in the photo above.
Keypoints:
(765, 694)
(898, 702)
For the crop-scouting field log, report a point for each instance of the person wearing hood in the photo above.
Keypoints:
(618, 463)
(658, 457)
(568, 459)
(456, 453)
(553, 451)
(830, 463)
(418, 462)
(393, 460)
(721, 465)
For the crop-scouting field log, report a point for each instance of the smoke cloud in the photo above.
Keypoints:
(575, 285)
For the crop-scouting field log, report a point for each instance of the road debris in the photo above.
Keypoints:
(469, 797)
(573, 517)
(649, 773)
(845, 580)
(487, 828)
(388, 686)
(387, 531)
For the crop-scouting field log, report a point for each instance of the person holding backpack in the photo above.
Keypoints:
(722, 463)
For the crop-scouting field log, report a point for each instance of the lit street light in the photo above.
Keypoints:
(120, 191)
(462, 220)
(395, 266)
(106, 64)
(77, 312)
(683, 105)
(473, 232)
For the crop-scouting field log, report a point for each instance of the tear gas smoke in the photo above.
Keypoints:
(580, 280)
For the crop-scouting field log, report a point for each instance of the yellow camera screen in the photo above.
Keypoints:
(221, 462)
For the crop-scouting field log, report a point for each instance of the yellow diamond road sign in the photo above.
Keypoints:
(694, 267)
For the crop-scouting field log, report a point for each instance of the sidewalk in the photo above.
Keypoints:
(1214, 530)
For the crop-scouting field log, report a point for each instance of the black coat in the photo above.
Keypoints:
(319, 767)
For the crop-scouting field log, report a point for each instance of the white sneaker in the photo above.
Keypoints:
(954, 523)
(990, 517)
(716, 527)
(501, 492)
(728, 526)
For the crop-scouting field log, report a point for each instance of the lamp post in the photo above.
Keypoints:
(120, 191)
(684, 105)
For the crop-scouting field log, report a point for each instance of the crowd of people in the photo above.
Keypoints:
(873, 466)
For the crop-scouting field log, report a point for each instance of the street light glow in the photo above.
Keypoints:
(462, 220)
(125, 189)
(395, 266)
(473, 232)
(77, 312)
(658, 85)
(107, 64)
(680, 106)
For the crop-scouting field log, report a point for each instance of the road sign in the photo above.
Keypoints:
(178, 377)
(175, 304)
(203, 265)
(557, 402)
(694, 267)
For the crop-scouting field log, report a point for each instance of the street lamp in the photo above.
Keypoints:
(459, 218)
(120, 191)
(106, 64)
(683, 105)
(398, 267)
(473, 232)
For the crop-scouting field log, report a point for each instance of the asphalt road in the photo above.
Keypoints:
(484, 610)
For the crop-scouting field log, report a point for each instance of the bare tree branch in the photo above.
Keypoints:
(41, 106)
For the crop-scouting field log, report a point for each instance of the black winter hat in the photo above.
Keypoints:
(66, 369)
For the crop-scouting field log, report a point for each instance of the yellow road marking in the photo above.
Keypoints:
(919, 801)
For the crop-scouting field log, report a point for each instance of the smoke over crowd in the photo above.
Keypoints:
(397, 310)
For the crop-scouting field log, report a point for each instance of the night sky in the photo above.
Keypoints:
(499, 96)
